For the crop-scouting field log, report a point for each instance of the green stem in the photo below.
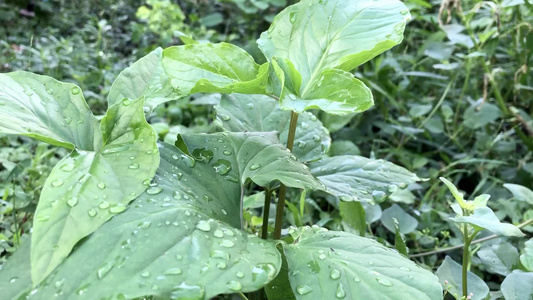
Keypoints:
(243, 297)
(266, 213)
(465, 259)
(283, 188)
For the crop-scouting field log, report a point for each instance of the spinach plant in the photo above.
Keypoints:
(124, 216)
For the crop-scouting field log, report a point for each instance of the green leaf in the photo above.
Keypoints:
(237, 156)
(406, 223)
(517, 286)
(499, 258)
(280, 288)
(456, 194)
(257, 113)
(15, 275)
(399, 239)
(87, 188)
(213, 68)
(168, 247)
(484, 218)
(353, 213)
(520, 192)
(336, 36)
(144, 78)
(527, 257)
(450, 276)
(356, 178)
(47, 110)
(329, 265)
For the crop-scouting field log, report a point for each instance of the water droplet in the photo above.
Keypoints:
(405, 269)
(102, 272)
(383, 281)
(104, 205)
(92, 212)
(72, 201)
(126, 102)
(292, 17)
(239, 274)
(344, 197)
(322, 256)
(144, 225)
(404, 12)
(75, 90)
(227, 243)
(317, 138)
(179, 257)
(117, 208)
(185, 291)
(154, 190)
(304, 125)
(231, 178)
(335, 274)
(54, 203)
(250, 105)
(101, 185)
(145, 274)
(304, 289)
(68, 120)
(224, 212)
(2, 103)
(226, 152)
(255, 166)
(43, 218)
(189, 161)
(301, 144)
(28, 92)
(234, 285)
(218, 233)
(222, 166)
(57, 182)
(67, 167)
(173, 271)
(340, 293)
(134, 166)
(221, 265)
(203, 225)
(224, 117)
(356, 279)
(392, 188)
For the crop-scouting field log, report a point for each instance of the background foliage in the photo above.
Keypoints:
(453, 100)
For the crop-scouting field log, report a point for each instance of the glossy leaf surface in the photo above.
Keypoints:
(451, 272)
(48, 110)
(338, 265)
(257, 113)
(87, 188)
(484, 218)
(356, 178)
(213, 68)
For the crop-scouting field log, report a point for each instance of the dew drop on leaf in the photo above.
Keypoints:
(154, 190)
(67, 167)
(43, 218)
(104, 205)
(189, 161)
(227, 243)
(218, 233)
(234, 285)
(101, 185)
(134, 166)
(239, 274)
(301, 144)
(72, 201)
(145, 274)
(255, 166)
(304, 289)
(57, 183)
(383, 281)
(102, 272)
(92, 212)
(203, 225)
(173, 271)
(221, 265)
(340, 293)
(126, 102)
(335, 274)
(75, 90)
(222, 166)
(117, 208)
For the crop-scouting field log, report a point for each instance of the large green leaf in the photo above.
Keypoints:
(518, 286)
(499, 258)
(144, 78)
(170, 243)
(47, 110)
(258, 113)
(15, 275)
(335, 36)
(258, 156)
(520, 192)
(450, 276)
(338, 265)
(213, 68)
(527, 257)
(87, 188)
(356, 178)
(484, 218)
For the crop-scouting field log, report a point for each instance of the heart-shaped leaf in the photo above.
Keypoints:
(213, 68)
(336, 36)
(356, 178)
(338, 265)
(168, 245)
(499, 258)
(87, 188)
(144, 78)
(450, 276)
(47, 110)
(517, 286)
(484, 218)
(258, 113)
(238, 156)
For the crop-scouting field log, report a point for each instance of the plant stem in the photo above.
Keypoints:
(283, 188)
(241, 208)
(266, 213)
(243, 297)
(490, 237)
(466, 258)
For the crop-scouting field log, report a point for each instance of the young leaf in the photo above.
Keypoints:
(336, 36)
(338, 265)
(167, 247)
(47, 110)
(15, 275)
(406, 223)
(517, 286)
(144, 78)
(258, 113)
(258, 156)
(356, 178)
(484, 218)
(456, 194)
(213, 68)
(87, 188)
(450, 276)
